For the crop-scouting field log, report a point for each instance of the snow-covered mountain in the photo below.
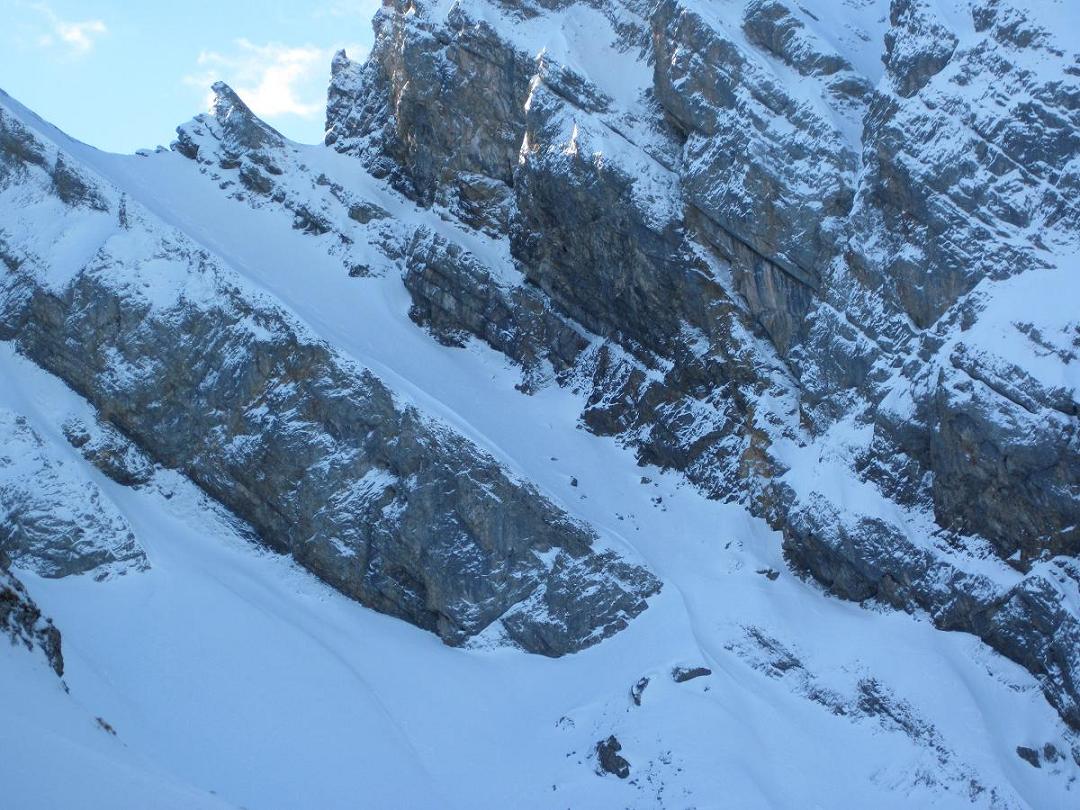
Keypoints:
(616, 411)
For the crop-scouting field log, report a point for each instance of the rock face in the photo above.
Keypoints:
(821, 266)
(455, 296)
(422, 79)
(21, 620)
(382, 502)
(755, 244)
(1031, 622)
(52, 521)
(110, 451)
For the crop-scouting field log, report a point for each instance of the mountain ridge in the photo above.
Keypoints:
(591, 260)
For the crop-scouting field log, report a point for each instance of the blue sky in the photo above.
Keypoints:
(121, 74)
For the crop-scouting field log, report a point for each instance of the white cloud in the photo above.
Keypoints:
(357, 9)
(272, 79)
(78, 38)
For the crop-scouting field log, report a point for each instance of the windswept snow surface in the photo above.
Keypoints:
(234, 678)
(56, 755)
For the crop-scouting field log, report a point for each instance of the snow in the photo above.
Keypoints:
(59, 244)
(227, 668)
(230, 669)
(1056, 17)
(726, 18)
(854, 28)
(56, 755)
(582, 39)
(57, 501)
(1032, 322)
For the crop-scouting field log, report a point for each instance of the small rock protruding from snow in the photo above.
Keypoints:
(684, 674)
(638, 689)
(609, 760)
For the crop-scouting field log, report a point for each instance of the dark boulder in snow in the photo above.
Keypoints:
(684, 674)
(609, 760)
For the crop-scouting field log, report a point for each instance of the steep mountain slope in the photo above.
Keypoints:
(810, 261)
(812, 270)
(313, 452)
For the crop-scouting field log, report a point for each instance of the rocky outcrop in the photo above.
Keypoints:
(776, 27)
(456, 296)
(388, 506)
(21, 620)
(768, 246)
(665, 346)
(110, 451)
(760, 257)
(246, 141)
(961, 174)
(52, 521)
(20, 151)
(1006, 465)
(748, 138)
(863, 557)
(443, 115)
(694, 413)
(255, 164)
(918, 45)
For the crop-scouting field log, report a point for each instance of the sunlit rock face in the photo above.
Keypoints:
(785, 233)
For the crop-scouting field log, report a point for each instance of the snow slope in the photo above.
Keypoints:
(226, 668)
